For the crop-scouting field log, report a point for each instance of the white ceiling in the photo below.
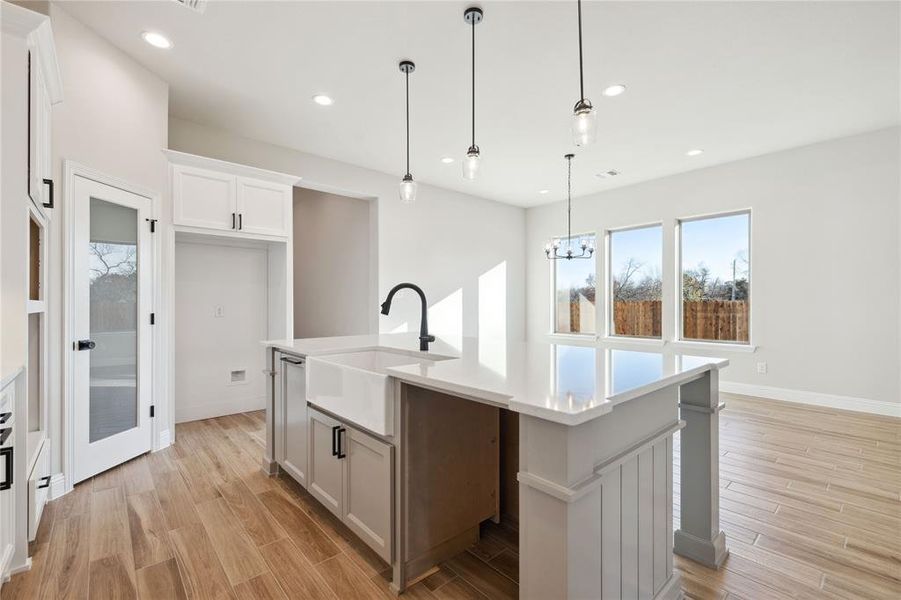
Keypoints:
(737, 79)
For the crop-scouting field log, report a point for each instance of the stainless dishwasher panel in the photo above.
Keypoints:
(296, 418)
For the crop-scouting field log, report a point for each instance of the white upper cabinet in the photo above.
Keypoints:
(264, 207)
(204, 198)
(44, 90)
(226, 197)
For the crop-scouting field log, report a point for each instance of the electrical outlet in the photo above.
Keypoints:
(219, 312)
(761, 368)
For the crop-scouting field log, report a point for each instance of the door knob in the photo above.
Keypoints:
(86, 344)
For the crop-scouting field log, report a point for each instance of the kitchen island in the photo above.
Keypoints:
(421, 467)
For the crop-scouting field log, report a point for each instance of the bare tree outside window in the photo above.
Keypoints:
(636, 258)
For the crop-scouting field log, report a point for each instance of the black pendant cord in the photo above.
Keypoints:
(407, 77)
(581, 79)
(473, 82)
(569, 202)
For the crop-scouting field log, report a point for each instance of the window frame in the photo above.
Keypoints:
(609, 329)
(552, 265)
(680, 324)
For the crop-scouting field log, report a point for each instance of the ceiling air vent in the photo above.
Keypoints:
(197, 6)
(607, 174)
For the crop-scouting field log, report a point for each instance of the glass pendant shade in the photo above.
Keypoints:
(471, 163)
(584, 123)
(408, 189)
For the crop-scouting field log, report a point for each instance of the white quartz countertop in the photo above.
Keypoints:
(560, 382)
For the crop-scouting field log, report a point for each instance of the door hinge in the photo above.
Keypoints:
(152, 225)
(152, 411)
(153, 318)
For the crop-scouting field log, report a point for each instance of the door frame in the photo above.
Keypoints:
(71, 170)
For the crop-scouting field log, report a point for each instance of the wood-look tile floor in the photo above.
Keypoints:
(809, 496)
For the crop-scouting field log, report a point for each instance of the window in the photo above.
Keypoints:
(636, 283)
(574, 289)
(716, 278)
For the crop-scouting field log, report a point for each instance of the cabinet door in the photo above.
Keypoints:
(296, 419)
(264, 207)
(7, 497)
(368, 489)
(38, 488)
(326, 476)
(7, 525)
(203, 198)
(38, 123)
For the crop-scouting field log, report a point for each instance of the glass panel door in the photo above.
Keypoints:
(113, 281)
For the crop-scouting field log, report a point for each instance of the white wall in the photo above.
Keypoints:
(209, 347)
(444, 242)
(113, 118)
(331, 265)
(825, 261)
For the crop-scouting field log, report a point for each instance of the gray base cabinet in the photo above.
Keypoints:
(368, 485)
(326, 482)
(351, 473)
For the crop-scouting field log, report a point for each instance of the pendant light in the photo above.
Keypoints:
(407, 185)
(552, 249)
(472, 16)
(584, 120)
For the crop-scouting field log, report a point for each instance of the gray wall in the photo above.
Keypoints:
(331, 265)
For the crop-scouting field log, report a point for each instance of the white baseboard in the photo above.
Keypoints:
(164, 440)
(218, 409)
(57, 486)
(876, 407)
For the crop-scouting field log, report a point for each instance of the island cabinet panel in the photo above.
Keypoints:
(296, 439)
(368, 485)
(596, 503)
(326, 476)
(450, 474)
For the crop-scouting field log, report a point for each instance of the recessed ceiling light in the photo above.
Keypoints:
(607, 174)
(447, 160)
(323, 100)
(694, 152)
(157, 40)
(614, 90)
(543, 191)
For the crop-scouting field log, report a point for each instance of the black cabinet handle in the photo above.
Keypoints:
(292, 360)
(49, 183)
(335, 440)
(233, 221)
(45, 482)
(4, 434)
(240, 221)
(86, 345)
(7, 453)
(4, 417)
(341, 453)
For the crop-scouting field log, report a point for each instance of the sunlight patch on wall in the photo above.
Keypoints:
(446, 319)
(493, 318)
(402, 328)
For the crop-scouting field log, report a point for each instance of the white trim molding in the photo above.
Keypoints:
(164, 440)
(58, 487)
(876, 407)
